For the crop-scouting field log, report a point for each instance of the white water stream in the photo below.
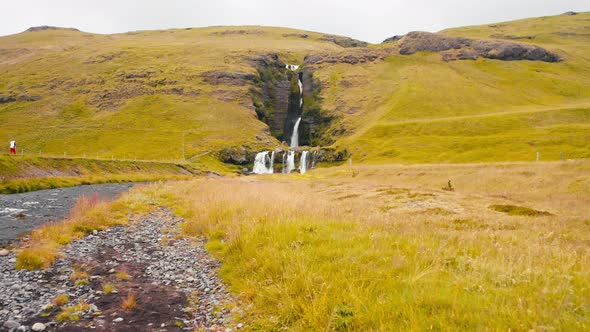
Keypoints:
(263, 164)
(303, 162)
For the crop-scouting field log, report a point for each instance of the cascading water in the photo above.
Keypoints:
(303, 162)
(295, 135)
(314, 158)
(265, 165)
(300, 83)
(262, 164)
(289, 165)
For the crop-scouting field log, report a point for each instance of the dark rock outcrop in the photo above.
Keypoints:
(352, 58)
(393, 39)
(7, 99)
(236, 156)
(227, 78)
(570, 13)
(4, 99)
(345, 42)
(48, 27)
(458, 48)
(272, 93)
(299, 35)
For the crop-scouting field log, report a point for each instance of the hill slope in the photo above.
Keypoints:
(155, 94)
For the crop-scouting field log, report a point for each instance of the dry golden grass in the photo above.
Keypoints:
(389, 249)
(73, 313)
(128, 302)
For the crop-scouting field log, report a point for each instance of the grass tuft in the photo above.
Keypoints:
(129, 302)
(61, 300)
(108, 288)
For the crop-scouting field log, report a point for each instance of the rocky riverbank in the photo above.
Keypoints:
(20, 213)
(142, 277)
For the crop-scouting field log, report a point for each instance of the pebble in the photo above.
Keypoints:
(38, 327)
(4, 252)
(118, 320)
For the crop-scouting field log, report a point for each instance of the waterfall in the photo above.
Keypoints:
(314, 158)
(289, 165)
(272, 162)
(285, 162)
(260, 163)
(300, 83)
(295, 135)
(303, 162)
(292, 67)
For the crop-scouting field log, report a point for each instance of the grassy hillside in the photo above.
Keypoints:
(139, 94)
(21, 174)
(146, 95)
(419, 108)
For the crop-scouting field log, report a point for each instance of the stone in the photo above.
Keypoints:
(11, 324)
(118, 320)
(38, 327)
(4, 252)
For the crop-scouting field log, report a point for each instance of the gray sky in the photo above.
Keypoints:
(369, 20)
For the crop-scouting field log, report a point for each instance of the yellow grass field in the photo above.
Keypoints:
(385, 248)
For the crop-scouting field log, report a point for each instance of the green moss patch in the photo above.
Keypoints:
(514, 210)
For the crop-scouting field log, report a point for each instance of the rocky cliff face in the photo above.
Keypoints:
(457, 48)
(271, 94)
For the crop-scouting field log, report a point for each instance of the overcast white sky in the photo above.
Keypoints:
(369, 20)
